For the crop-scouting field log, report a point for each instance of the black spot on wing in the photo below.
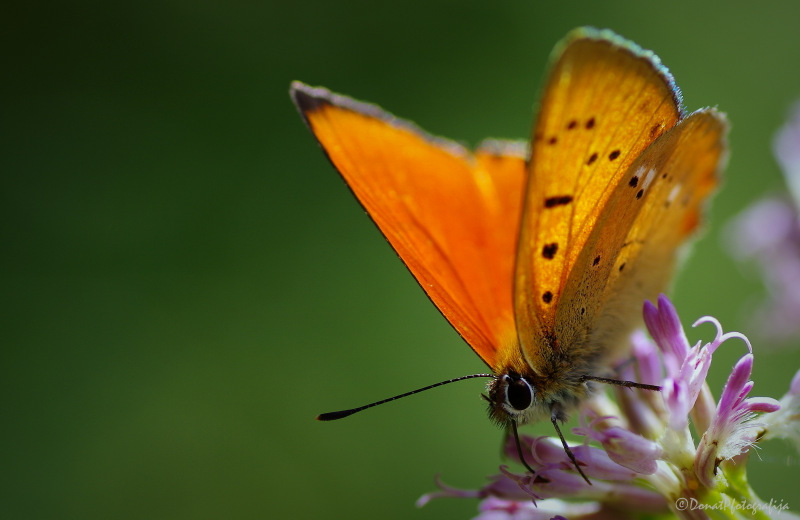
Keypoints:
(592, 158)
(558, 200)
(547, 297)
(549, 250)
(613, 155)
(656, 130)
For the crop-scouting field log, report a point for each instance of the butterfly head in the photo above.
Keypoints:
(513, 397)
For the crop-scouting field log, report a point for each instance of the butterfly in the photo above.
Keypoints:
(540, 257)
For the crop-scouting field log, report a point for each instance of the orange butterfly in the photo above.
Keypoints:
(540, 263)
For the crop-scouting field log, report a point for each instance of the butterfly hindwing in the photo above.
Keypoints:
(632, 250)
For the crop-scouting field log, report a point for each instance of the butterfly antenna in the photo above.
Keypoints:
(332, 416)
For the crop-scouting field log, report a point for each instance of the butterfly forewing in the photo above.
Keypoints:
(604, 103)
(452, 216)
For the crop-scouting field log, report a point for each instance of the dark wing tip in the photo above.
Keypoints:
(308, 99)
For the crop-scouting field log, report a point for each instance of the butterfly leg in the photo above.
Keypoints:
(519, 448)
(557, 415)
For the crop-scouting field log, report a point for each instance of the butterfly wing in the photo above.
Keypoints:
(605, 101)
(632, 250)
(452, 216)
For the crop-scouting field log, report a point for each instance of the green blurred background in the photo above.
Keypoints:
(187, 282)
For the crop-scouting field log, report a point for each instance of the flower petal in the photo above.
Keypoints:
(666, 330)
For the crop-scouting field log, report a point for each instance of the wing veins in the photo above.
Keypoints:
(478, 317)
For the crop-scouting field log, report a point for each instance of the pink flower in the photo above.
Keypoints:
(624, 447)
(734, 428)
(785, 423)
(786, 147)
(768, 233)
(639, 452)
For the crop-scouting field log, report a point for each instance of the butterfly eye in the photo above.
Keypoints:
(519, 393)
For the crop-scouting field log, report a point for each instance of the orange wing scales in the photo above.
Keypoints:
(631, 253)
(616, 182)
(605, 102)
(639, 236)
(452, 216)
